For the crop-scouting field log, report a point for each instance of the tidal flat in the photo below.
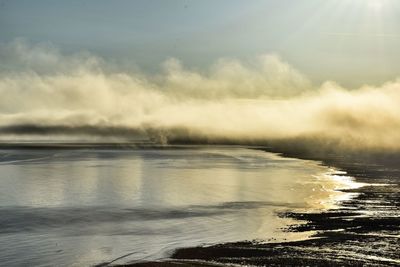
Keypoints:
(362, 231)
(82, 205)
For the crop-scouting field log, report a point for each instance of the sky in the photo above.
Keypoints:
(312, 72)
(352, 42)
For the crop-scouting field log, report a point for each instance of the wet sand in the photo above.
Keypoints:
(365, 230)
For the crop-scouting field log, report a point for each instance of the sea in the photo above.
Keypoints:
(92, 206)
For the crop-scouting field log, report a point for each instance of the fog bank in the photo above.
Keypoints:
(46, 94)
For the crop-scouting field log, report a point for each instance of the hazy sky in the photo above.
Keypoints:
(244, 71)
(350, 41)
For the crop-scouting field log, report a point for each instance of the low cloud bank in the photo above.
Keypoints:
(47, 94)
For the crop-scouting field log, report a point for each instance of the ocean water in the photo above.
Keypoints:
(82, 207)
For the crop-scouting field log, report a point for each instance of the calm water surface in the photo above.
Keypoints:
(84, 207)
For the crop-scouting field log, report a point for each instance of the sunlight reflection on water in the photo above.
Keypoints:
(84, 207)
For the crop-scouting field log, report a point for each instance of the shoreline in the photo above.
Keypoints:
(364, 230)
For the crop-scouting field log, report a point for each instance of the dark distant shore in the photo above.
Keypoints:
(365, 230)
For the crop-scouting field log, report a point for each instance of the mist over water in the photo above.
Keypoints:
(46, 94)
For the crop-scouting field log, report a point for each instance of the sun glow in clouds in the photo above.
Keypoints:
(375, 4)
(269, 100)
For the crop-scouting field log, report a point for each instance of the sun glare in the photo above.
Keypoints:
(375, 4)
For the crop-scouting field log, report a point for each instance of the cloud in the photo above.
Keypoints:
(46, 93)
(269, 76)
(43, 58)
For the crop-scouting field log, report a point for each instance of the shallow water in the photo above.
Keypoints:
(85, 207)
